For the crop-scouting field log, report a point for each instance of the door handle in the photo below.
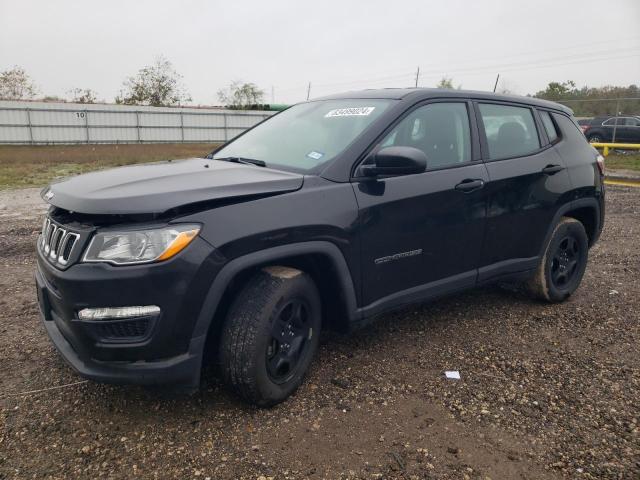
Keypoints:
(470, 184)
(552, 169)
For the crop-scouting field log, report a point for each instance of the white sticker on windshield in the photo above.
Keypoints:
(350, 112)
(315, 155)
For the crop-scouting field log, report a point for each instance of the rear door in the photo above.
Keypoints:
(628, 130)
(528, 181)
(423, 233)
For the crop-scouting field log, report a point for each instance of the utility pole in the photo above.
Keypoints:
(273, 95)
(496, 84)
(308, 90)
(417, 76)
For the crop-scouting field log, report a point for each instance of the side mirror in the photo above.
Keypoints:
(395, 161)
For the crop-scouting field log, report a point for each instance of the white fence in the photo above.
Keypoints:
(50, 123)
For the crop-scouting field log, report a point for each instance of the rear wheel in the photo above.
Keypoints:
(595, 138)
(271, 335)
(562, 266)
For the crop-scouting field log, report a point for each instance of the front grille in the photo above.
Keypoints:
(127, 329)
(57, 243)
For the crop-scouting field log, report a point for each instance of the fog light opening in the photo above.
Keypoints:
(114, 313)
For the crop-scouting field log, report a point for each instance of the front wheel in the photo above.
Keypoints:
(271, 335)
(562, 266)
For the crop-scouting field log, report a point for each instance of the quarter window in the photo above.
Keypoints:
(440, 130)
(510, 131)
(549, 126)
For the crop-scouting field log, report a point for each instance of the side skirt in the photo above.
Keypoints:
(511, 270)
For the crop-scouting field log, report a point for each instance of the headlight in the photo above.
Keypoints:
(139, 246)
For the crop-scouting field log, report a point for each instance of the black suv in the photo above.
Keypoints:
(323, 216)
(609, 129)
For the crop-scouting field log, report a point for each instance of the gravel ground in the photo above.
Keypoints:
(547, 391)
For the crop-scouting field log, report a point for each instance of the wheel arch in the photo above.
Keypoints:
(586, 211)
(323, 261)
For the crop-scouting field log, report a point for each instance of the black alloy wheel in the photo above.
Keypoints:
(565, 261)
(290, 335)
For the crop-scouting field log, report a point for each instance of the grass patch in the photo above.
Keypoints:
(35, 166)
(623, 162)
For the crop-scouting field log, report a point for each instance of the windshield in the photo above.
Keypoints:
(305, 136)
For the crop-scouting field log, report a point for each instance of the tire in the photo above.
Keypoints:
(562, 266)
(270, 335)
(595, 138)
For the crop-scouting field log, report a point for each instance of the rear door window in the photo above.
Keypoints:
(510, 131)
(549, 126)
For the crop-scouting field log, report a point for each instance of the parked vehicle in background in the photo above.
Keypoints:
(607, 129)
(583, 123)
(325, 215)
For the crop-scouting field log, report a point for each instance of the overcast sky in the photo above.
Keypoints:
(336, 45)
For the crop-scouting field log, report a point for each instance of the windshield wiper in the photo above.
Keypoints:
(246, 161)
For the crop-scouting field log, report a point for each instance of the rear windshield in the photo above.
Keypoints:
(306, 136)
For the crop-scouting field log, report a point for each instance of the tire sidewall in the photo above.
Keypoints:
(300, 287)
(576, 230)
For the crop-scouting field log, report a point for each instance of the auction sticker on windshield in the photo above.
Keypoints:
(315, 155)
(350, 112)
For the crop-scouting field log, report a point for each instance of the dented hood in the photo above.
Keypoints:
(158, 187)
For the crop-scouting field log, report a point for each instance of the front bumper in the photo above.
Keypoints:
(167, 354)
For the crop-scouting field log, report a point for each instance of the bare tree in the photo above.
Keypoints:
(157, 85)
(15, 84)
(83, 95)
(241, 96)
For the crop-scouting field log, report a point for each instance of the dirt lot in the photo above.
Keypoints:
(546, 391)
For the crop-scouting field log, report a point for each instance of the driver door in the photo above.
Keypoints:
(421, 234)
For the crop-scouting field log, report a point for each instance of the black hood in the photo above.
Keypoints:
(158, 187)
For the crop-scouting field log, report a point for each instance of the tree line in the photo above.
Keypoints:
(591, 102)
(156, 85)
(159, 85)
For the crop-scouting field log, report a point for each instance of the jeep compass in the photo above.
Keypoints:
(325, 215)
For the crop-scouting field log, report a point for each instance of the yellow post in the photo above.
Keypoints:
(623, 146)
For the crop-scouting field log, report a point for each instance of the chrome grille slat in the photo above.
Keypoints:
(70, 239)
(57, 243)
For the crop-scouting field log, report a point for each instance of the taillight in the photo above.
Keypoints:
(584, 128)
(600, 162)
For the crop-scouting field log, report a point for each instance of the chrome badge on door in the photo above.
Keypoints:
(398, 256)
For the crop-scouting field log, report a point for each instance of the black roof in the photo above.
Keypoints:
(418, 94)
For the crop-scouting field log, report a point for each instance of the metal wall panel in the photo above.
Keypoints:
(13, 117)
(43, 123)
(42, 134)
(114, 135)
(14, 135)
(197, 120)
(116, 119)
(160, 119)
(203, 135)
